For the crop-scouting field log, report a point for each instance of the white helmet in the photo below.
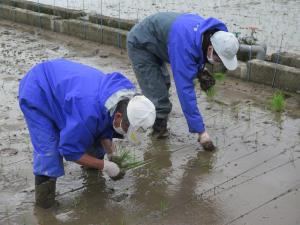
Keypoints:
(141, 114)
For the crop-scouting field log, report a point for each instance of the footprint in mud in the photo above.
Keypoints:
(6, 32)
(120, 197)
(8, 151)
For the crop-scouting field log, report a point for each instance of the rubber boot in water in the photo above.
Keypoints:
(45, 191)
(160, 130)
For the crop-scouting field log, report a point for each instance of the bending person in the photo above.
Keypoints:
(73, 111)
(187, 42)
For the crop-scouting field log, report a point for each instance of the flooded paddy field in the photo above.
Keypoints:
(277, 21)
(252, 178)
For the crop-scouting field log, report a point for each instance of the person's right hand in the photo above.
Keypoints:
(116, 159)
(111, 168)
(206, 142)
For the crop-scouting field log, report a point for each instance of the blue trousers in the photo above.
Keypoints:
(44, 136)
(153, 78)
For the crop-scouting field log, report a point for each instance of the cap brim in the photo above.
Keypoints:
(230, 64)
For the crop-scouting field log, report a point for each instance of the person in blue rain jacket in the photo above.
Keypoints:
(73, 111)
(186, 41)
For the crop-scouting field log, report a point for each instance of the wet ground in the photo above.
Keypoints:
(277, 20)
(253, 177)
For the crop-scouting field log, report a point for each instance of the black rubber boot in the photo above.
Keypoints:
(160, 128)
(45, 191)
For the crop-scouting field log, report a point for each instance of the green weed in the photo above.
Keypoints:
(278, 101)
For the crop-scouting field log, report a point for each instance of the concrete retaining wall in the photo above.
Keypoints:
(283, 77)
(92, 32)
(244, 56)
(112, 22)
(28, 17)
(286, 76)
(288, 59)
(43, 8)
(241, 72)
(73, 27)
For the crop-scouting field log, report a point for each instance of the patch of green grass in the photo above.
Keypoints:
(219, 76)
(278, 101)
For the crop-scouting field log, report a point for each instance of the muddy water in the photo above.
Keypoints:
(277, 21)
(251, 178)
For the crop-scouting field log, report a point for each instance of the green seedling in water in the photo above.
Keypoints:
(278, 101)
(126, 160)
(219, 76)
(211, 92)
(163, 206)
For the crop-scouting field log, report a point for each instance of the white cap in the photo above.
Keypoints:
(141, 114)
(226, 45)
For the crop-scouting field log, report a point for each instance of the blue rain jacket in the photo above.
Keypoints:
(72, 96)
(186, 59)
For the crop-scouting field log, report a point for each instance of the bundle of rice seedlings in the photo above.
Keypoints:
(211, 92)
(126, 160)
(219, 76)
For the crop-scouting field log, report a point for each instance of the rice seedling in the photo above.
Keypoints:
(277, 102)
(211, 92)
(126, 160)
(123, 222)
(164, 205)
(219, 76)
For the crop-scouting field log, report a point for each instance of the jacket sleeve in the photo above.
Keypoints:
(81, 124)
(185, 69)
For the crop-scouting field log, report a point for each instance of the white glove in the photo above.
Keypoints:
(204, 137)
(111, 168)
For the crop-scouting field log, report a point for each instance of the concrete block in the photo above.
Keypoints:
(43, 8)
(92, 32)
(27, 17)
(72, 27)
(244, 56)
(240, 72)
(113, 36)
(6, 12)
(112, 22)
(286, 58)
(286, 77)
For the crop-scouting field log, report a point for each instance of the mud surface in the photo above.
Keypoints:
(276, 20)
(252, 178)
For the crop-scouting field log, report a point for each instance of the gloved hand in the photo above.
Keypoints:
(111, 168)
(206, 80)
(116, 159)
(206, 142)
